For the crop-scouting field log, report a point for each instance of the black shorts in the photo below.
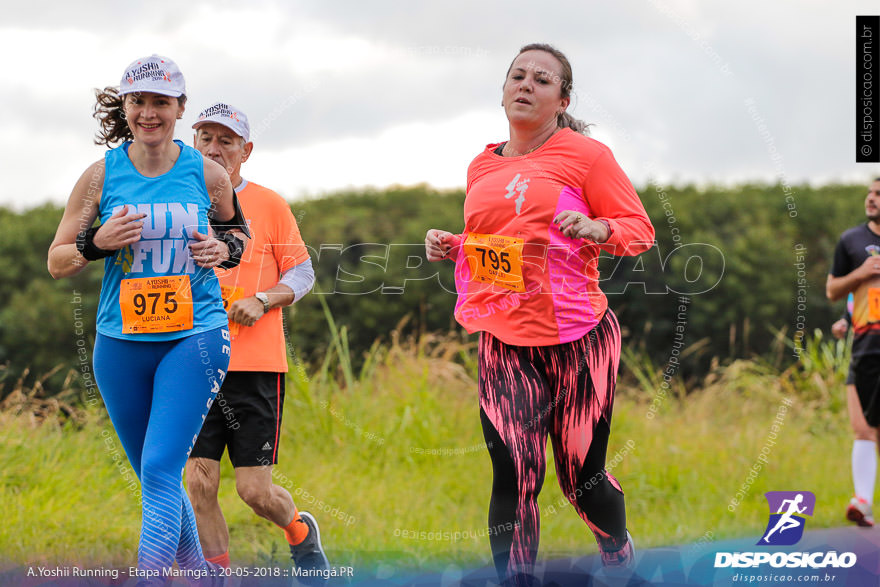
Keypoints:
(246, 417)
(867, 381)
(850, 375)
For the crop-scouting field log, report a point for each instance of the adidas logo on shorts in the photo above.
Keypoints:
(267, 446)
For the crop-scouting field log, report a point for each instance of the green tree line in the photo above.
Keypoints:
(730, 250)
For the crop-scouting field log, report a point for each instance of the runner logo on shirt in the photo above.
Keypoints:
(517, 185)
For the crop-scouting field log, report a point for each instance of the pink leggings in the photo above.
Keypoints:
(566, 391)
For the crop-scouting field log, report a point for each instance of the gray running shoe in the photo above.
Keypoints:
(308, 556)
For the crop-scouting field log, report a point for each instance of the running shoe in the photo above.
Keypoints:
(622, 558)
(308, 555)
(859, 511)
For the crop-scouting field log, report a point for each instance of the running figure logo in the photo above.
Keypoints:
(515, 186)
(786, 525)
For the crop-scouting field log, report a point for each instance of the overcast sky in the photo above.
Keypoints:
(350, 93)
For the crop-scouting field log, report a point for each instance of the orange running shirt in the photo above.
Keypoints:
(275, 247)
(516, 275)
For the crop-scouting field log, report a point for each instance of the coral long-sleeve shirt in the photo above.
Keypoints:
(517, 276)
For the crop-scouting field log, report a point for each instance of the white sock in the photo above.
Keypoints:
(864, 468)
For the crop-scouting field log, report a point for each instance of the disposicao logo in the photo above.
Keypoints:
(784, 528)
(787, 521)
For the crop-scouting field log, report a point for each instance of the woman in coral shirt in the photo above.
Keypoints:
(539, 209)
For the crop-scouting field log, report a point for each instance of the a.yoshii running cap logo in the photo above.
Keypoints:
(227, 115)
(155, 74)
(787, 521)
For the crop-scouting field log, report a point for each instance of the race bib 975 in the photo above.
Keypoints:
(156, 304)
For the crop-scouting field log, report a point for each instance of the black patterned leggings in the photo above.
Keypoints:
(566, 391)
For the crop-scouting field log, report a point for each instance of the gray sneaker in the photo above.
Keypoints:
(312, 566)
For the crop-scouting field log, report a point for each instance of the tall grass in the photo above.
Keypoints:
(390, 460)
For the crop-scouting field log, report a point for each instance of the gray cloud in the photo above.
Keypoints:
(666, 81)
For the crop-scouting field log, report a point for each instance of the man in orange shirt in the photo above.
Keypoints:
(275, 272)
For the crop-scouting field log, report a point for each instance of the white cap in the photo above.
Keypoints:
(153, 74)
(227, 115)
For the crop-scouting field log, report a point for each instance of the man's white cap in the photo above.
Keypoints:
(227, 115)
(153, 74)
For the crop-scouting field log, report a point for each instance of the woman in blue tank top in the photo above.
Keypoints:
(162, 347)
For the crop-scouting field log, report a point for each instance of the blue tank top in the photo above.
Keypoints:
(153, 290)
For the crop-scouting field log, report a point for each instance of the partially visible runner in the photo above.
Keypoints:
(864, 450)
(856, 270)
(162, 345)
(539, 209)
(246, 417)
